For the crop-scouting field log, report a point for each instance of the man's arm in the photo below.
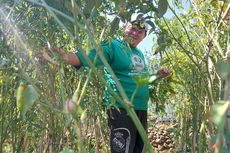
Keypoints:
(72, 59)
(69, 58)
(77, 59)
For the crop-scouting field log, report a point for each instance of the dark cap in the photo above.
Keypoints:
(141, 24)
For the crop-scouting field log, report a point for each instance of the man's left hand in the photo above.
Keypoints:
(164, 72)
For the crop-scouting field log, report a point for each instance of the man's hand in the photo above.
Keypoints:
(164, 72)
(68, 57)
(46, 54)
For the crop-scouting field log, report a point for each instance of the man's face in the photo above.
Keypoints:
(135, 34)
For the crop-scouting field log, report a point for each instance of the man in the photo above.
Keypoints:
(126, 62)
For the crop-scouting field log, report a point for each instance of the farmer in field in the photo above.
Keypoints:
(126, 62)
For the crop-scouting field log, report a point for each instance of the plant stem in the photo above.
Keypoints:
(134, 93)
(186, 51)
(211, 35)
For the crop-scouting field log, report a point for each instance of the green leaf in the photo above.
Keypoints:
(223, 69)
(162, 7)
(172, 130)
(26, 96)
(3, 62)
(84, 116)
(89, 5)
(160, 48)
(160, 39)
(218, 114)
(227, 138)
(223, 149)
(141, 80)
(214, 3)
(67, 151)
(213, 139)
(145, 79)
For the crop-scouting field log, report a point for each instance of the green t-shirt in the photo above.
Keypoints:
(126, 63)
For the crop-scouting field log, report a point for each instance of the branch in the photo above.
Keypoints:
(186, 51)
(183, 28)
(224, 16)
(211, 35)
(180, 23)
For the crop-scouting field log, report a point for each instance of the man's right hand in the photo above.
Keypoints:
(47, 53)
(164, 72)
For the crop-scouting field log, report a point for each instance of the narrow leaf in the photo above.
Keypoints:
(218, 114)
(223, 69)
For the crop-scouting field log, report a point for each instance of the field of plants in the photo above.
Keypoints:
(49, 106)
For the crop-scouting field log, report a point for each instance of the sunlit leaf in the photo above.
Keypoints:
(154, 79)
(84, 116)
(141, 80)
(26, 96)
(214, 3)
(146, 79)
(30, 53)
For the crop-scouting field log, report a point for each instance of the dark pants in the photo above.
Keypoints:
(125, 137)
